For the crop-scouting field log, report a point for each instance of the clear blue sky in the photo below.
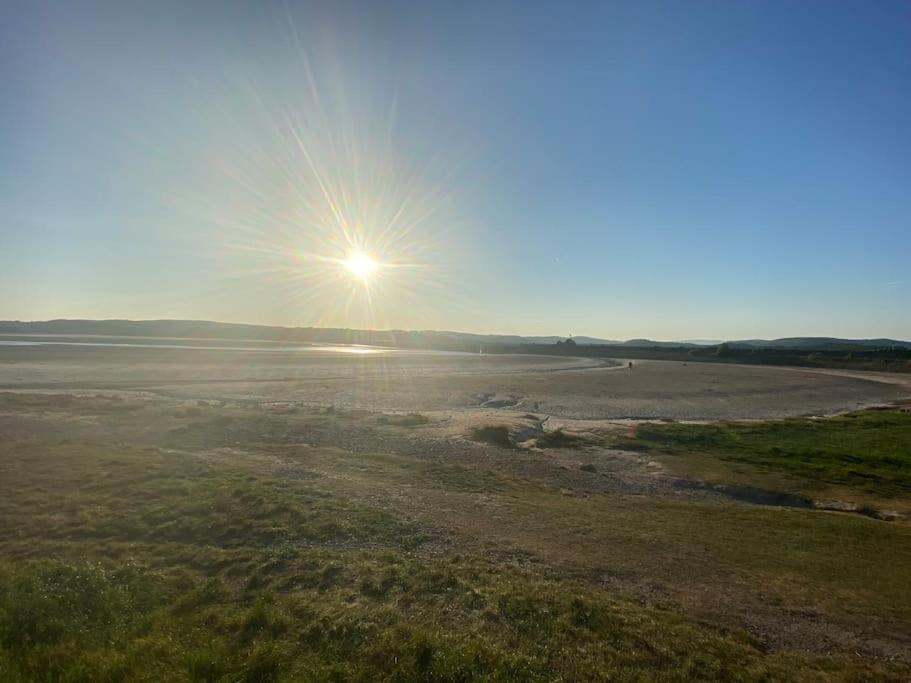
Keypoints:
(620, 169)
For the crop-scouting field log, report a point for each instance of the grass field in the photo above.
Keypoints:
(864, 455)
(276, 561)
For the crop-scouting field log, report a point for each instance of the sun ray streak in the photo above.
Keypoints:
(328, 206)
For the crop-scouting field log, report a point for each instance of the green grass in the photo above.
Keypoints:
(168, 566)
(869, 451)
(378, 618)
(125, 563)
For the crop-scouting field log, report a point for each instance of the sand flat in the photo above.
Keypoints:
(408, 380)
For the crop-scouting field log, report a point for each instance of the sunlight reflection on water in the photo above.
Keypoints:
(340, 348)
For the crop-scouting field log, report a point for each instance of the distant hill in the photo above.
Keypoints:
(592, 340)
(204, 329)
(651, 344)
(516, 339)
(820, 344)
(702, 342)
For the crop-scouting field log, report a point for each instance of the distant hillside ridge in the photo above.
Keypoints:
(820, 343)
(205, 329)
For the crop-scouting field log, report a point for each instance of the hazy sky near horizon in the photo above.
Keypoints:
(668, 169)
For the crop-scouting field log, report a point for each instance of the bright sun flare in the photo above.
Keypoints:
(360, 265)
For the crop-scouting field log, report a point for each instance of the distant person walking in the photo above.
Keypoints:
(630, 366)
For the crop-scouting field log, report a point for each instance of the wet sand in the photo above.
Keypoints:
(589, 389)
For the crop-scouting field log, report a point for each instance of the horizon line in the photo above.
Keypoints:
(691, 340)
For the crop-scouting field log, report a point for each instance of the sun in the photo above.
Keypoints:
(360, 265)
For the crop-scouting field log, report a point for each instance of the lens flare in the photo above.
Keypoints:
(334, 215)
(361, 265)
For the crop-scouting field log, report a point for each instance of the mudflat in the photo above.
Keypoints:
(371, 379)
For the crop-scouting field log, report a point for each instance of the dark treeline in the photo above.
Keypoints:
(882, 359)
